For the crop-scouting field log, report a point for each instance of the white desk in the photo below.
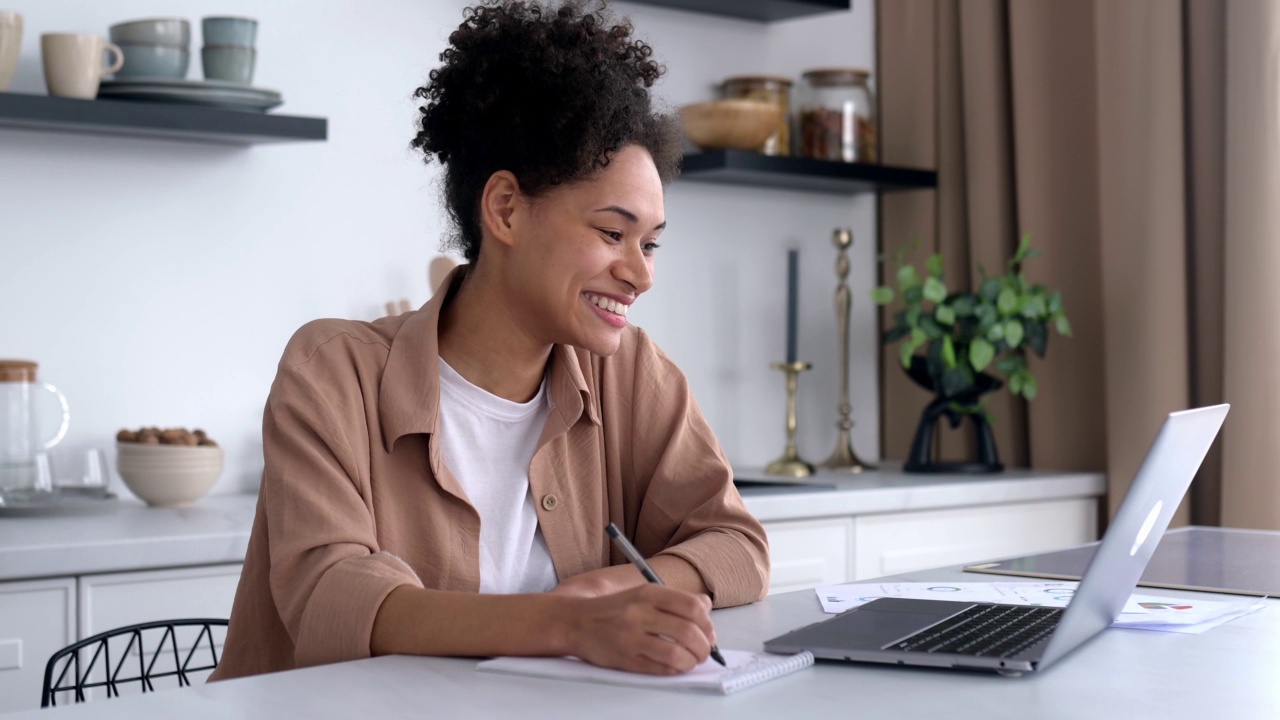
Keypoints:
(1232, 671)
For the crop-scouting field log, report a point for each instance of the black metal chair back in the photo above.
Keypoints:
(140, 662)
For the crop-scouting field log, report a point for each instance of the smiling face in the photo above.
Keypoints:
(581, 254)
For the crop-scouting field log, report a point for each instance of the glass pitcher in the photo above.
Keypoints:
(20, 441)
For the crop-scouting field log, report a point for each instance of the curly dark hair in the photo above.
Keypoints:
(547, 93)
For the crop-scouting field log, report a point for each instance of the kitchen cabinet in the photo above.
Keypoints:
(830, 551)
(835, 527)
(37, 618)
(191, 123)
(63, 578)
(112, 600)
(894, 543)
(40, 617)
(807, 553)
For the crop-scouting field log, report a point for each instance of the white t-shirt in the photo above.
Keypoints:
(488, 442)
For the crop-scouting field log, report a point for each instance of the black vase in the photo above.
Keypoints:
(920, 460)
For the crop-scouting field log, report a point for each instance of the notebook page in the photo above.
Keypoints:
(745, 669)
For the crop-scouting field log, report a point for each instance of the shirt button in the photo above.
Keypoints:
(550, 502)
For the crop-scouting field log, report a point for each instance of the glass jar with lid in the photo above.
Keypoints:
(837, 116)
(776, 90)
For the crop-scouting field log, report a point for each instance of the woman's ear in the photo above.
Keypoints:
(499, 202)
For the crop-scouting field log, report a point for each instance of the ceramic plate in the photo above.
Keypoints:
(62, 501)
(213, 93)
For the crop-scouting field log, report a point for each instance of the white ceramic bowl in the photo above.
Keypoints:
(168, 475)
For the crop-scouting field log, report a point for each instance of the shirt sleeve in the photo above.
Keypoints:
(328, 578)
(690, 507)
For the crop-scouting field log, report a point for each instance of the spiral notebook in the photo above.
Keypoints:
(744, 669)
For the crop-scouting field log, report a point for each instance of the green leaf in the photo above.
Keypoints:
(948, 352)
(1037, 336)
(934, 290)
(910, 346)
(981, 353)
(996, 333)
(932, 328)
(934, 265)
(905, 353)
(964, 305)
(945, 315)
(896, 334)
(1032, 306)
(1055, 303)
(990, 289)
(1007, 301)
(907, 277)
(882, 295)
(913, 317)
(1015, 384)
(1023, 247)
(1064, 327)
(1013, 332)
(913, 295)
(1011, 364)
(1029, 387)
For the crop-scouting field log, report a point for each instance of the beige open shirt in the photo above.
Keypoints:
(357, 501)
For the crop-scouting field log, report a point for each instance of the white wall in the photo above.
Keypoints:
(157, 282)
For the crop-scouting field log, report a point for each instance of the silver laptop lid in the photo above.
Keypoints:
(1130, 540)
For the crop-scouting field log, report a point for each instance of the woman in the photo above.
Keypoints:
(438, 483)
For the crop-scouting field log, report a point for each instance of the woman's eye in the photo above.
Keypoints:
(650, 247)
(613, 235)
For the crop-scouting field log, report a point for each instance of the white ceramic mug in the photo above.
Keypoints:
(10, 46)
(73, 63)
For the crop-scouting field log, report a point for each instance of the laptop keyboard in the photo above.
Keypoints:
(999, 631)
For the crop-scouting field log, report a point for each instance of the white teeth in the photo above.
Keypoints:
(605, 303)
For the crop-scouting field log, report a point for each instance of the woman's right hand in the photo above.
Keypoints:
(650, 629)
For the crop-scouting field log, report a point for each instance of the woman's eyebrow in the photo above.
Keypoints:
(630, 216)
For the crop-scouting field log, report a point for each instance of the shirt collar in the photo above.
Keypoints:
(409, 396)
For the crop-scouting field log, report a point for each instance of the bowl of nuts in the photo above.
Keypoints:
(172, 467)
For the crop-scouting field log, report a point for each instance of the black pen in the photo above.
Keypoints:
(636, 559)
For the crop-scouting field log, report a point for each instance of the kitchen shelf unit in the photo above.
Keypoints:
(190, 123)
(760, 10)
(739, 167)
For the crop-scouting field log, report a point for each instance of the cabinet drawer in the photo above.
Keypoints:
(37, 619)
(109, 601)
(806, 553)
(903, 542)
(115, 599)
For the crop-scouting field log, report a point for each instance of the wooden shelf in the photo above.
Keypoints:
(761, 10)
(738, 167)
(191, 123)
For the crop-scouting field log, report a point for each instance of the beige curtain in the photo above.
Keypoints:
(1141, 156)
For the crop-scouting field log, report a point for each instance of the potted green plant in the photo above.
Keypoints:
(951, 340)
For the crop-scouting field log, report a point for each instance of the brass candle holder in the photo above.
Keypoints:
(843, 458)
(790, 463)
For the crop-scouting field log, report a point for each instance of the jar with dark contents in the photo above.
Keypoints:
(776, 90)
(837, 116)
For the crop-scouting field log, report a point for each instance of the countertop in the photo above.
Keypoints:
(216, 529)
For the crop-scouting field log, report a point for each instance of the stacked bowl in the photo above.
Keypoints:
(228, 53)
(168, 475)
(153, 48)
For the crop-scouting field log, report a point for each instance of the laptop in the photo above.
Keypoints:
(1017, 639)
